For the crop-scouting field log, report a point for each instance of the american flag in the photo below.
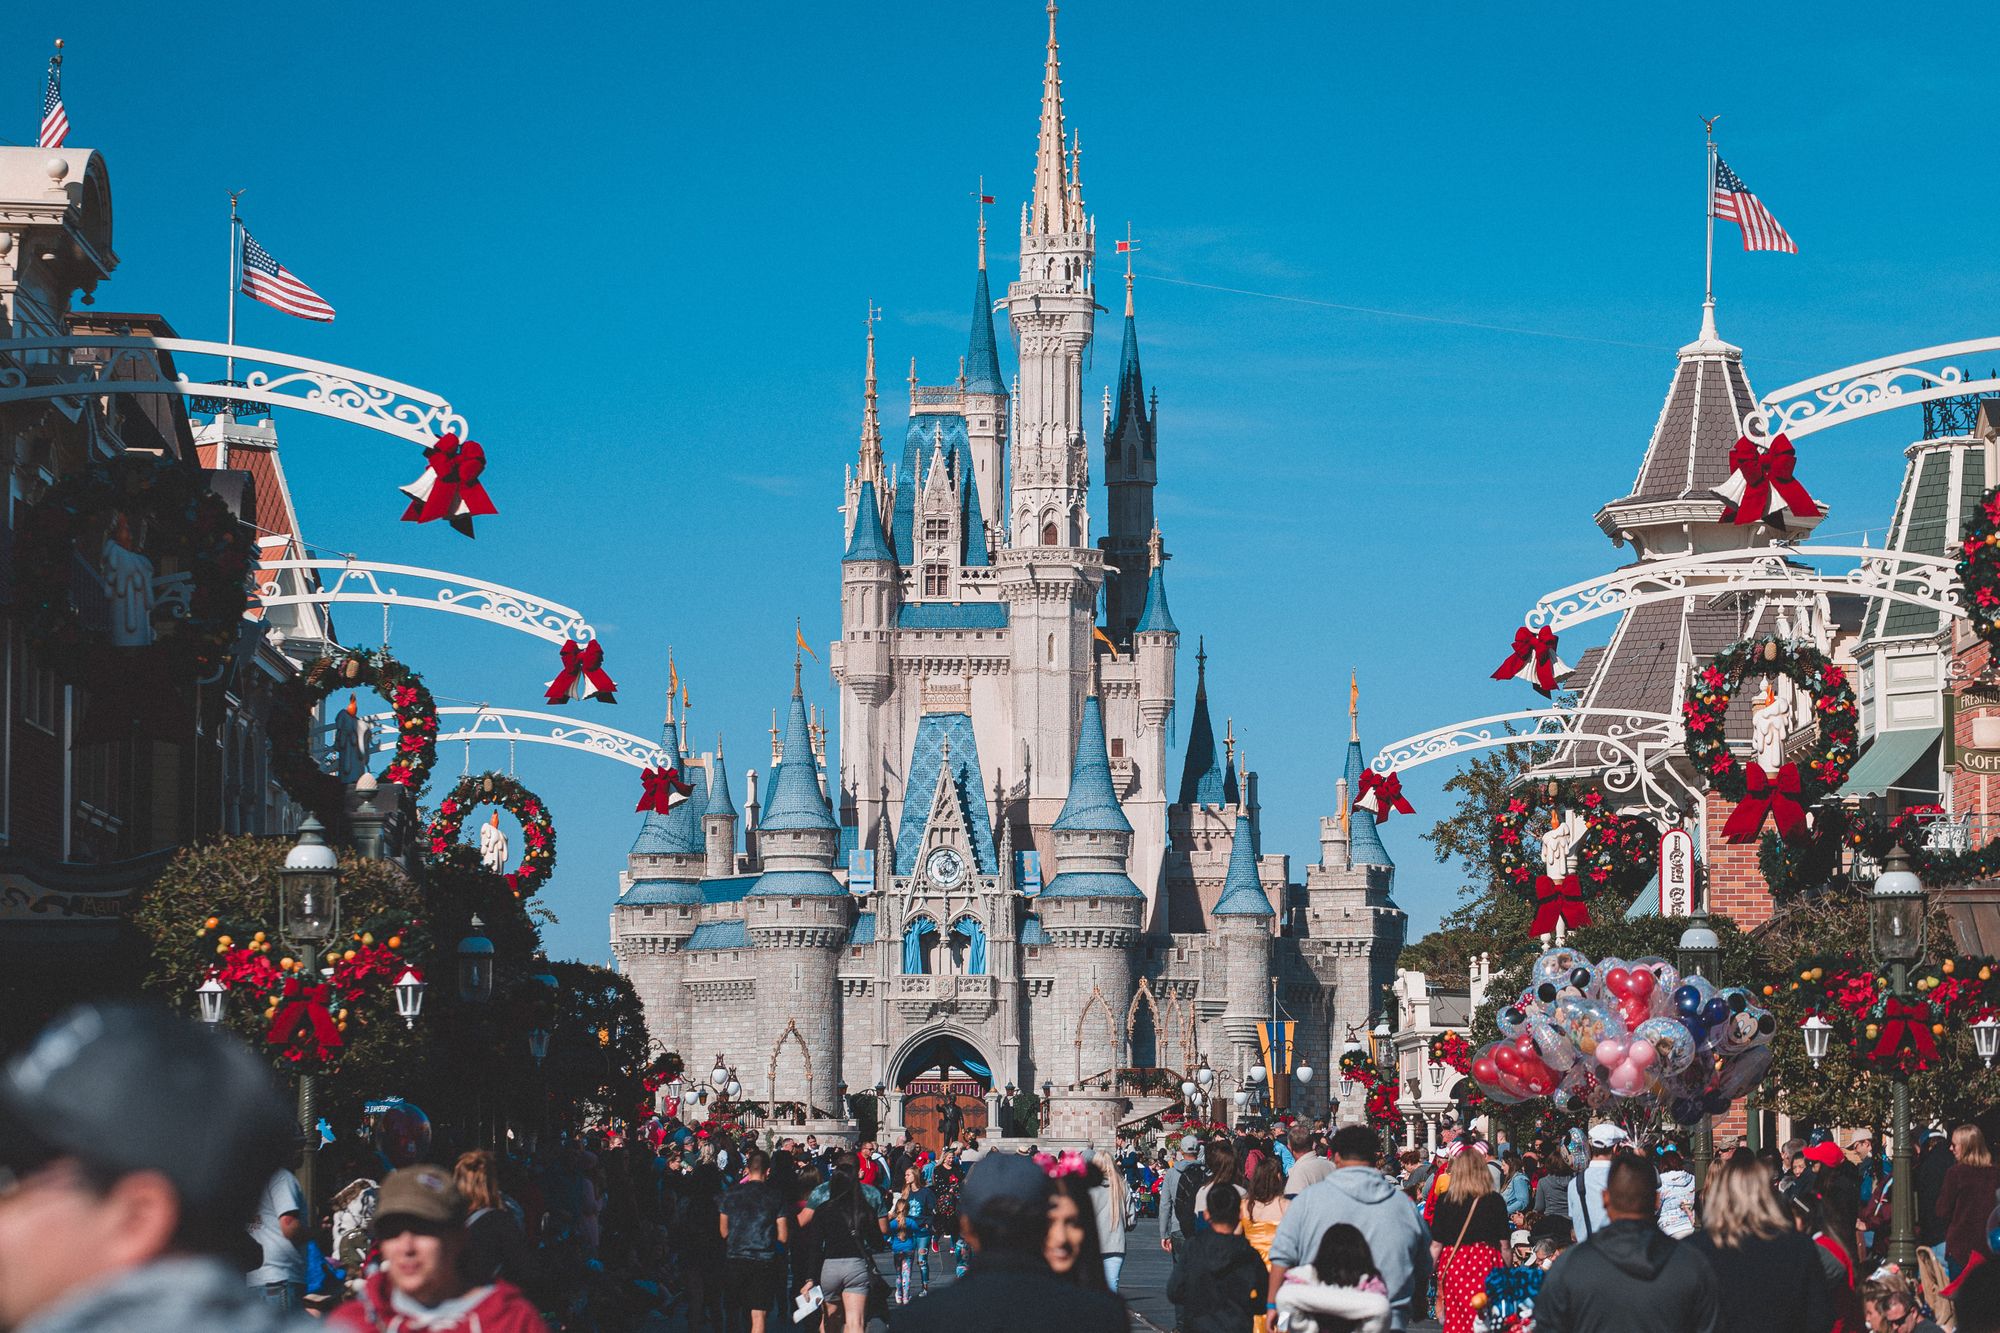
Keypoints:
(55, 120)
(266, 280)
(1734, 202)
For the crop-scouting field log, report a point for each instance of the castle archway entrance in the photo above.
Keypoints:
(943, 1081)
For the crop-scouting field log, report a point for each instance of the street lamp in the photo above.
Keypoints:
(410, 990)
(1818, 1032)
(719, 1075)
(475, 965)
(1304, 1073)
(1896, 930)
(308, 916)
(213, 997)
(538, 1044)
(1986, 1039)
(1701, 955)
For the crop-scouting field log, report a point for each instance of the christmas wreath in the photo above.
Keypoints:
(1979, 569)
(1379, 1107)
(1451, 1049)
(1617, 852)
(306, 1017)
(1782, 795)
(155, 525)
(293, 719)
(538, 831)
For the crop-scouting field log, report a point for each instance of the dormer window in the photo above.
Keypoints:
(937, 529)
(937, 581)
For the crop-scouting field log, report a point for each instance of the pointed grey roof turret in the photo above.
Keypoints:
(677, 833)
(982, 355)
(1201, 774)
(1156, 618)
(1092, 805)
(720, 802)
(1242, 892)
(796, 801)
(867, 541)
(1364, 841)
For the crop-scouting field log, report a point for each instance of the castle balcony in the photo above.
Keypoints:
(921, 998)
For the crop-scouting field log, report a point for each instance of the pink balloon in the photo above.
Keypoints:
(1611, 1052)
(1627, 1078)
(1642, 1054)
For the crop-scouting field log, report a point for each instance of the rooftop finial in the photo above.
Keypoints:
(673, 682)
(871, 420)
(983, 199)
(1156, 550)
(1201, 662)
(798, 659)
(1128, 247)
(1229, 738)
(1051, 211)
(1353, 706)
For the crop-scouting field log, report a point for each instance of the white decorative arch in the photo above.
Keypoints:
(482, 723)
(1928, 581)
(366, 581)
(1853, 392)
(130, 365)
(1638, 741)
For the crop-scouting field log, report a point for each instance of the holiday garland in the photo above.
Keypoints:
(1783, 794)
(1380, 1107)
(1617, 853)
(307, 1016)
(538, 831)
(1453, 1050)
(1936, 866)
(186, 527)
(1845, 990)
(1979, 569)
(296, 713)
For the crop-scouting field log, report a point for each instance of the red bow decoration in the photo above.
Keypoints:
(1776, 794)
(1904, 1020)
(1762, 486)
(1382, 794)
(1539, 647)
(1558, 902)
(582, 675)
(308, 1005)
(663, 790)
(449, 488)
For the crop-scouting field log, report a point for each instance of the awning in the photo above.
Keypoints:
(1889, 760)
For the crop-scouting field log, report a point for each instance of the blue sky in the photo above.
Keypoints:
(634, 244)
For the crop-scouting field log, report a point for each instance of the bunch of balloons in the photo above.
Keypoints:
(1598, 1035)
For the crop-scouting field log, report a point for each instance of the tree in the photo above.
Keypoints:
(598, 1046)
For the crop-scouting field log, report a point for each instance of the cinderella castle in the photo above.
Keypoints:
(1001, 880)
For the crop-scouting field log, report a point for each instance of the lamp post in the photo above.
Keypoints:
(1387, 1064)
(1896, 932)
(475, 965)
(308, 916)
(1700, 955)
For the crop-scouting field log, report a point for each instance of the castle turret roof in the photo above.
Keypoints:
(720, 802)
(1201, 774)
(1092, 805)
(867, 541)
(1128, 414)
(660, 893)
(1156, 618)
(796, 801)
(982, 355)
(677, 833)
(1242, 892)
(1364, 840)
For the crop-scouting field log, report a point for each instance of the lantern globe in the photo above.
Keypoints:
(213, 997)
(475, 965)
(308, 887)
(1818, 1034)
(538, 1044)
(410, 988)
(1986, 1039)
(1896, 912)
(1305, 1073)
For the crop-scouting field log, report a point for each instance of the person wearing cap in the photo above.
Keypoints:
(133, 1149)
(1586, 1192)
(1004, 1215)
(420, 1232)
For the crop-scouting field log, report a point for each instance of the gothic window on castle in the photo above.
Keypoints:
(937, 583)
(1117, 747)
(937, 529)
(1050, 536)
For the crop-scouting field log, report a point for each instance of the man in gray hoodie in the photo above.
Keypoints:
(133, 1147)
(1358, 1194)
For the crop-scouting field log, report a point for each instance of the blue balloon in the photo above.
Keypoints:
(1687, 1111)
(1715, 1013)
(1687, 1001)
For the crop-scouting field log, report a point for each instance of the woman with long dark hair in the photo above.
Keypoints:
(1340, 1291)
(1071, 1249)
(850, 1232)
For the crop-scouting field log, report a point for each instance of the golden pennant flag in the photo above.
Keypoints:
(1097, 633)
(673, 677)
(799, 633)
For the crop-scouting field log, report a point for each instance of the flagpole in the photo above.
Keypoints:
(235, 255)
(1708, 207)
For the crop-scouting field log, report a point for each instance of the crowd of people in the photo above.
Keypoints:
(145, 1183)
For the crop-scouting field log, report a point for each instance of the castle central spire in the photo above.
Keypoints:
(1055, 210)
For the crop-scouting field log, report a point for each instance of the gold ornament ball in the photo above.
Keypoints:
(1478, 1301)
(368, 939)
(258, 937)
(1947, 966)
(395, 941)
(1872, 1032)
(347, 957)
(212, 923)
(1937, 1029)
(225, 941)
